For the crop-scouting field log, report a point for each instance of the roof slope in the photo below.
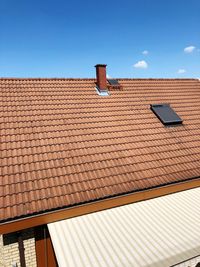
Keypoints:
(63, 144)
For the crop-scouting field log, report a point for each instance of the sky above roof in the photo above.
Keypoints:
(135, 38)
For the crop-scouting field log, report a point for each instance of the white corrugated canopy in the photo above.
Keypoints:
(154, 233)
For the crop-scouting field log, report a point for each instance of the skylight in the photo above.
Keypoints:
(113, 82)
(166, 114)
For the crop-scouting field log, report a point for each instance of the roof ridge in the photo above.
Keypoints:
(41, 78)
(92, 79)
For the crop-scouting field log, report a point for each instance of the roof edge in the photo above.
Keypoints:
(95, 206)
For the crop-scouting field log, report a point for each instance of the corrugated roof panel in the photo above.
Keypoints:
(153, 233)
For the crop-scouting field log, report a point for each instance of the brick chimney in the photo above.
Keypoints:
(101, 76)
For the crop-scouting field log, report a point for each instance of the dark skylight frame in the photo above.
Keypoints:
(166, 114)
(113, 82)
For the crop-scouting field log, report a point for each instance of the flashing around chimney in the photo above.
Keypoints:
(102, 92)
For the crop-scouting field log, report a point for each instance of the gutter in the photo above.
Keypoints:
(95, 206)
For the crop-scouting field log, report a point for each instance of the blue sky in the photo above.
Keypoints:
(67, 38)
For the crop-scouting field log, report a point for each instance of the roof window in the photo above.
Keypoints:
(166, 114)
(113, 82)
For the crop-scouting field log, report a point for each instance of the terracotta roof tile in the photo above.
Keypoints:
(62, 144)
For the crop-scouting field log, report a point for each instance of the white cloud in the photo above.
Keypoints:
(189, 49)
(141, 64)
(145, 52)
(181, 71)
(108, 76)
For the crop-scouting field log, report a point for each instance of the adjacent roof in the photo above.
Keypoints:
(62, 144)
(159, 232)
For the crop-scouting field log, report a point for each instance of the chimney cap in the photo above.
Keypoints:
(100, 65)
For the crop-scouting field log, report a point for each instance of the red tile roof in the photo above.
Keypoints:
(63, 144)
